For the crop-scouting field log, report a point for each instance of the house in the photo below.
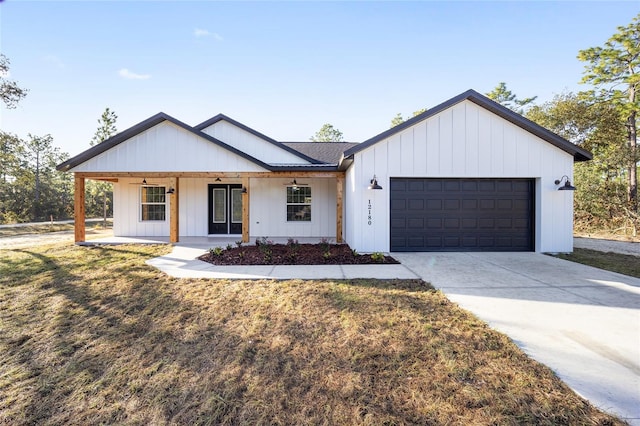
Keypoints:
(466, 175)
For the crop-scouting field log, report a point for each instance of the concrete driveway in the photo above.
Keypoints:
(582, 322)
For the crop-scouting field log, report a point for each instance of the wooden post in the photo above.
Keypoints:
(339, 204)
(78, 209)
(245, 209)
(174, 219)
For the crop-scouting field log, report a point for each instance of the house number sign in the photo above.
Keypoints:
(369, 212)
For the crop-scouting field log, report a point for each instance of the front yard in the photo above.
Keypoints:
(93, 335)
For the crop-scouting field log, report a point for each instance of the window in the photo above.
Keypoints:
(298, 204)
(152, 203)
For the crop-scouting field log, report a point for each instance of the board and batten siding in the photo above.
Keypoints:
(463, 141)
(167, 148)
(251, 144)
(267, 208)
(127, 211)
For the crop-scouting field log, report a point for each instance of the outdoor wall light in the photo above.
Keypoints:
(218, 179)
(567, 184)
(374, 183)
(244, 190)
(171, 191)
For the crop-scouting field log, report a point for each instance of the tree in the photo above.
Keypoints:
(507, 98)
(106, 127)
(600, 202)
(614, 70)
(398, 119)
(11, 159)
(99, 195)
(10, 92)
(327, 133)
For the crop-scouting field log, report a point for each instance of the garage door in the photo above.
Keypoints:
(462, 214)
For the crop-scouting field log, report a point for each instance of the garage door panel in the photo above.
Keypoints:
(461, 214)
(416, 204)
(416, 185)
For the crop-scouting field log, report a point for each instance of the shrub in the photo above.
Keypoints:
(217, 251)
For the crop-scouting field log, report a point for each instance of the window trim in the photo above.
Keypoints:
(309, 204)
(143, 203)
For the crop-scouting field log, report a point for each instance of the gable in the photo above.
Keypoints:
(252, 142)
(166, 147)
(464, 140)
(578, 153)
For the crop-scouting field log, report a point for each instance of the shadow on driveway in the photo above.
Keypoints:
(581, 321)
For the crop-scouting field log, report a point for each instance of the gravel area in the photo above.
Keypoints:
(621, 247)
(30, 240)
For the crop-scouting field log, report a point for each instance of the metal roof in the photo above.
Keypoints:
(578, 153)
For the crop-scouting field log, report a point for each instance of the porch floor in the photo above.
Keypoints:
(182, 262)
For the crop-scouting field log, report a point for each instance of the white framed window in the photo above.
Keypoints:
(153, 203)
(298, 204)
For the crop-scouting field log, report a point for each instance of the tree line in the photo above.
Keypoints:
(602, 119)
(31, 189)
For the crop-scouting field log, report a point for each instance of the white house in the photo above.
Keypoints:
(466, 175)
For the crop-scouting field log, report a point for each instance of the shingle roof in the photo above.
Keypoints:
(326, 152)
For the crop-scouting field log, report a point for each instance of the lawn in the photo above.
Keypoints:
(615, 262)
(95, 336)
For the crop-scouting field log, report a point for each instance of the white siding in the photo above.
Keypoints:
(167, 148)
(127, 211)
(462, 141)
(268, 209)
(251, 144)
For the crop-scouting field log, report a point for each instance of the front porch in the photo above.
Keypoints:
(179, 201)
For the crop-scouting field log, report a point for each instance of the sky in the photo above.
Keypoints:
(284, 68)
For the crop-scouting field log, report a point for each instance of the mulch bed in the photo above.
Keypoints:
(293, 254)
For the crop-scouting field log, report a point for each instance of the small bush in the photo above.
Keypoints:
(377, 257)
(217, 251)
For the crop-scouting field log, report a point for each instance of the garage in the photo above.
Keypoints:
(436, 214)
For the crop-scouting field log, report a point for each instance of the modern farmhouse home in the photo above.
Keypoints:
(466, 175)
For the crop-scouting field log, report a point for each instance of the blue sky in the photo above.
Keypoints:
(284, 68)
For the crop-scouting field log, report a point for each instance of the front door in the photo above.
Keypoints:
(225, 209)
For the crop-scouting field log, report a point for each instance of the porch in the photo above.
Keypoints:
(180, 190)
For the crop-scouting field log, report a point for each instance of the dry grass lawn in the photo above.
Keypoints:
(94, 336)
(621, 263)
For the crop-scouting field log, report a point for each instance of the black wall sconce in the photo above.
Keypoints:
(567, 184)
(171, 191)
(374, 183)
(218, 179)
(244, 190)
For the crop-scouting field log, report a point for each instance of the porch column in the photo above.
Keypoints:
(245, 209)
(78, 209)
(339, 204)
(174, 227)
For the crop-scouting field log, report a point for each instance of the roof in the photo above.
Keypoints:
(221, 117)
(325, 152)
(141, 127)
(578, 153)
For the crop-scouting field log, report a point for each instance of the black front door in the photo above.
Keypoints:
(225, 209)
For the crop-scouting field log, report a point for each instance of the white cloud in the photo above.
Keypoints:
(199, 32)
(129, 75)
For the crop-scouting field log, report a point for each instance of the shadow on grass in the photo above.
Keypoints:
(102, 338)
